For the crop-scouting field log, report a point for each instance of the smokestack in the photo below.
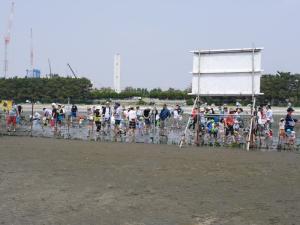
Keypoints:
(117, 73)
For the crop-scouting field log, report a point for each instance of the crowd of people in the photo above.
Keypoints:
(12, 115)
(216, 123)
(114, 117)
(223, 124)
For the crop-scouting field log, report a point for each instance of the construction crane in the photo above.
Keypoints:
(7, 38)
(72, 70)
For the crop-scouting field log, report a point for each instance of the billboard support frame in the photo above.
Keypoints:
(253, 95)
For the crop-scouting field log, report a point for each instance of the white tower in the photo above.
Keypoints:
(117, 73)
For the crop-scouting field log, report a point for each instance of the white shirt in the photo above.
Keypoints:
(118, 113)
(90, 115)
(125, 113)
(176, 114)
(132, 115)
(261, 118)
(139, 113)
(107, 113)
(47, 112)
(281, 125)
(270, 115)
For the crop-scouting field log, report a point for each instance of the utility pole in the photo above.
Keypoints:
(7, 38)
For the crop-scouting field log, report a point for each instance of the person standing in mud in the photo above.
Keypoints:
(74, 110)
(177, 116)
(163, 116)
(20, 110)
(229, 122)
(12, 117)
(97, 118)
(46, 116)
(290, 122)
(193, 118)
(269, 115)
(118, 117)
(106, 115)
(54, 116)
(60, 114)
(132, 117)
(154, 116)
(146, 115)
(90, 118)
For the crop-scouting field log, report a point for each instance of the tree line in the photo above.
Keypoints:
(278, 89)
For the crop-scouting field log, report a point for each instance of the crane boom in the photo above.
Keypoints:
(7, 38)
(72, 70)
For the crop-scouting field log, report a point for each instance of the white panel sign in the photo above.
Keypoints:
(226, 72)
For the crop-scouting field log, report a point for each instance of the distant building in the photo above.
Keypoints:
(117, 74)
(35, 73)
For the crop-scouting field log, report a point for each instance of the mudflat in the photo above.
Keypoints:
(50, 181)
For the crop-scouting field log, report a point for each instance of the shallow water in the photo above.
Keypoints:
(172, 134)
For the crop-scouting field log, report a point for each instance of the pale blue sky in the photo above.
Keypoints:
(153, 37)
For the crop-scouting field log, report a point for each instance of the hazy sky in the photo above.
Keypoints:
(154, 37)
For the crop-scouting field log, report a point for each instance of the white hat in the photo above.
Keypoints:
(98, 107)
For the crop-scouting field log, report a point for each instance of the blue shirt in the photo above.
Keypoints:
(164, 114)
(289, 123)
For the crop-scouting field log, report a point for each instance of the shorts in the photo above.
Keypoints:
(18, 120)
(52, 122)
(229, 130)
(106, 120)
(132, 124)
(147, 121)
(91, 122)
(162, 124)
(281, 133)
(117, 122)
(98, 125)
(59, 120)
(12, 120)
(73, 114)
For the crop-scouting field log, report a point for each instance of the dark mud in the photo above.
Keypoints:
(50, 181)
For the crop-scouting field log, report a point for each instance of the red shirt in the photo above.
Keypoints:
(229, 121)
(194, 113)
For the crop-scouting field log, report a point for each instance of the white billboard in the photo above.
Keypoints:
(226, 72)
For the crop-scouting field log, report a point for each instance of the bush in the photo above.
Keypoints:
(189, 101)
(141, 102)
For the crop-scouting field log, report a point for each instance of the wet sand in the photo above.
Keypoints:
(50, 181)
